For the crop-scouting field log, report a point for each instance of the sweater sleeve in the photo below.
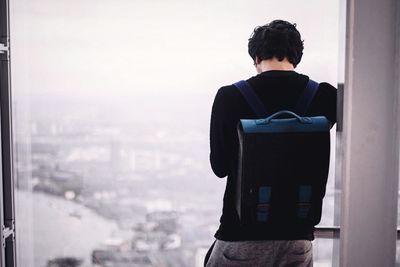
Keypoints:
(331, 100)
(218, 146)
(325, 102)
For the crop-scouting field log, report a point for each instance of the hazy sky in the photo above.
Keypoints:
(128, 47)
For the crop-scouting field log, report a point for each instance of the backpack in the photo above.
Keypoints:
(283, 164)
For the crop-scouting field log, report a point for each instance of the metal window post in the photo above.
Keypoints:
(370, 135)
(7, 214)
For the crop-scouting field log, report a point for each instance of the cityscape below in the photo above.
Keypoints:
(106, 195)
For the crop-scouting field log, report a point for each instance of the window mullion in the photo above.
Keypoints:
(7, 216)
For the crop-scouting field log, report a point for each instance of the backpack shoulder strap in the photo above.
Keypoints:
(252, 99)
(306, 97)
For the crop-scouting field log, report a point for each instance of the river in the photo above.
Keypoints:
(49, 227)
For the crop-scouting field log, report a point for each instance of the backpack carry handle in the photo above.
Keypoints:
(280, 113)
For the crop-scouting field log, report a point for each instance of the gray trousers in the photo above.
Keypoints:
(269, 253)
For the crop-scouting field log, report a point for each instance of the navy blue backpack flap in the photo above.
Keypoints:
(283, 167)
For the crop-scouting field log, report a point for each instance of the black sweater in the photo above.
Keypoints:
(278, 90)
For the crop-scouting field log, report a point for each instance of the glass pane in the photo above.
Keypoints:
(398, 227)
(112, 103)
(323, 252)
(397, 253)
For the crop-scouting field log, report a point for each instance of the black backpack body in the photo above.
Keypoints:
(283, 164)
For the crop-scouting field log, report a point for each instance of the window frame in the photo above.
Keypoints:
(7, 211)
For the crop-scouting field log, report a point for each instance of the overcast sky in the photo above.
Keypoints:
(131, 47)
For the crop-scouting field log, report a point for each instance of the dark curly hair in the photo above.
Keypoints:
(278, 39)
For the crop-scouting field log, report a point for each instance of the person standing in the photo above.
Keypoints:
(276, 49)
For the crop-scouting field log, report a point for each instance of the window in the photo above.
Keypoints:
(112, 101)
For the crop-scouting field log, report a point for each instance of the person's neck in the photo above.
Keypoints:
(274, 64)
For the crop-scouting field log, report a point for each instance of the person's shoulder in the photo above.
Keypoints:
(228, 90)
(326, 91)
(324, 102)
(227, 98)
(228, 93)
(327, 87)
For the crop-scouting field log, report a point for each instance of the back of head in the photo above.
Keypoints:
(278, 39)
